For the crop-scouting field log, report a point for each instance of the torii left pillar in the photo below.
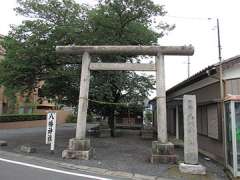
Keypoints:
(80, 147)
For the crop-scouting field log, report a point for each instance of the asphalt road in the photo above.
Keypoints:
(11, 170)
(127, 155)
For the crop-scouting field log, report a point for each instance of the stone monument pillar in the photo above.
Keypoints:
(79, 147)
(162, 150)
(190, 164)
(104, 129)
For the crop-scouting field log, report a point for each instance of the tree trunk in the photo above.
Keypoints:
(111, 121)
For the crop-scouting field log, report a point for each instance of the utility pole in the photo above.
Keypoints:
(220, 62)
(221, 90)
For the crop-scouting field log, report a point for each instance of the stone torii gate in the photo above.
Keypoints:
(162, 150)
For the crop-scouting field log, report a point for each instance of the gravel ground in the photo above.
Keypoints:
(125, 153)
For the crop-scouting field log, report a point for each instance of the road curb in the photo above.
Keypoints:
(95, 170)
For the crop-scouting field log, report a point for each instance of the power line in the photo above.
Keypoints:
(188, 18)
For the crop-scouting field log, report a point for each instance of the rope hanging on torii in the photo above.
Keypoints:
(158, 51)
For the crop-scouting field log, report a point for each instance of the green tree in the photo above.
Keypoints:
(30, 49)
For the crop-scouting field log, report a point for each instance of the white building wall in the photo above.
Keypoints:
(232, 73)
(197, 85)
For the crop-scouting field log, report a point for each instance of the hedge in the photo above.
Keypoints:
(21, 117)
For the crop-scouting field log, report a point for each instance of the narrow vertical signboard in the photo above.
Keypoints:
(51, 129)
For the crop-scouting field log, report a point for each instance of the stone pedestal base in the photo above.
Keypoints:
(104, 133)
(163, 159)
(82, 155)
(147, 134)
(192, 169)
(3, 143)
(78, 149)
(163, 153)
(28, 149)
(117, 132)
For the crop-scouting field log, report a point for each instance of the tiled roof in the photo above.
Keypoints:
(205, 73)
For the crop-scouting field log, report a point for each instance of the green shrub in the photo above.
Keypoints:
(149, 116)
(71, 119)
(21, 117)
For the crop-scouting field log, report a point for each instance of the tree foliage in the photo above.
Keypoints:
(31, 58)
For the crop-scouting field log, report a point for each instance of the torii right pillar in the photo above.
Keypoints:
(162, 150)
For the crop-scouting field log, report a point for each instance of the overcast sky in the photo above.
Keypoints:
(192, 27)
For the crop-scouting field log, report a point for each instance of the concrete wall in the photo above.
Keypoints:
(233, 86)
(23, 124)
(232, 73)
(209, 125)
(61, 118)
(211, 148)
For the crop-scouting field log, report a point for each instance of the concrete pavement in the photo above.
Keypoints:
(10, 171)
(22, 167)
(126, 156)
(14, 166)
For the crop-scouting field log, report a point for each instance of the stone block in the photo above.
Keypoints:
(164, 159)
(147, 134)
(192, 169)
(79, 144)
(78, 149)
(143, 177)
(104, 133)
(82, 155)
(159, 148)
(104, 125)
(117, 132)
(163, 153)
(121, 174)
(93, 132)
(3, 143)
(28, 149)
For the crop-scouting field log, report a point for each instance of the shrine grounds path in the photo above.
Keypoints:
(124, 156)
